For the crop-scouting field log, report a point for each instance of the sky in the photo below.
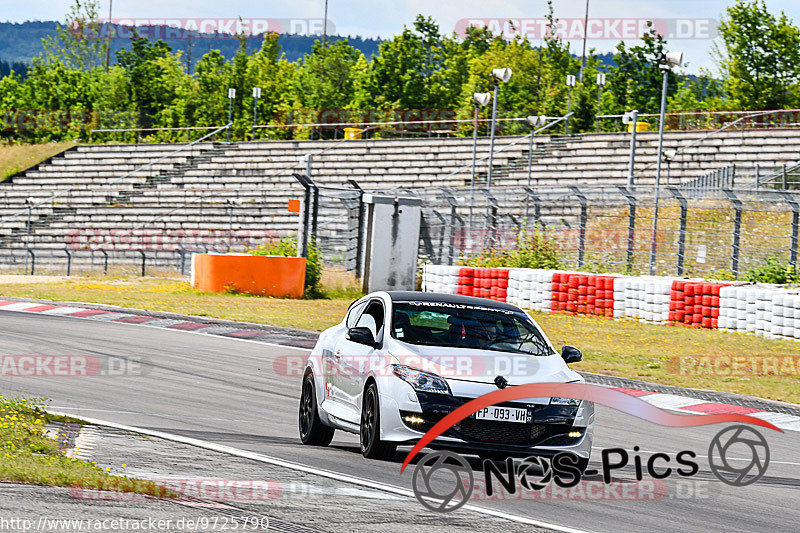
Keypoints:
(689, 24)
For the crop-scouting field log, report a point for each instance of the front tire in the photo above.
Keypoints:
(372, 447)
(312, 431)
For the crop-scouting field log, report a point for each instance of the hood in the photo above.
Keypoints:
(483, 366)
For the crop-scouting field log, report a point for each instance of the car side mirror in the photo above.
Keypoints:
(571, 354)
(362, 336)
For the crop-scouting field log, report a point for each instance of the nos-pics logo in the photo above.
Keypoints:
(443, 481)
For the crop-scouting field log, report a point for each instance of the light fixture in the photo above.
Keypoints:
(481, 99)
(674, 58)
(574, 434)
(414, 420)
(601, 78)
(627, 117)
(502, 74)
(537, 120)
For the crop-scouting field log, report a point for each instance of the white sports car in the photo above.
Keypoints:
(400, 361)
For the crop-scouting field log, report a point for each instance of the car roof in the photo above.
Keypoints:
(418, 296)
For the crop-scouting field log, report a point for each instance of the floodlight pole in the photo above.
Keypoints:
(570, 84)
(108, 35)
(634, 116)
(569, 108)
(256, 96)
(530, 154)
(585, 33)
(652, 263)
(601, 80)
(325, 27)
(231, 96)
(474, 161)
(491, 138)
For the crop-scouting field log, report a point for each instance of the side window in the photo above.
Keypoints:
(372, 318)
(353, 314)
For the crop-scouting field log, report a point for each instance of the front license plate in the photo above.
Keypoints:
(504, 414)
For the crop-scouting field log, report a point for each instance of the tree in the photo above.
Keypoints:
(699, 93)
(413, 70)
(78, 44)
(636, 81)
(269, 69)
(760, 61)
(324, 78)
(146, 74)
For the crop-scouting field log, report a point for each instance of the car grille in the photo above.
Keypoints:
(471, 429)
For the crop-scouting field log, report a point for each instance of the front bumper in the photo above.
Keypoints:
(548, 432)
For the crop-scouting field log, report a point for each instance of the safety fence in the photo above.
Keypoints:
(407, 123)
(588, 228)
(765, 310)
(706, 120)
(611, 228)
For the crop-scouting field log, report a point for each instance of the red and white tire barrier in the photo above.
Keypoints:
(530, 289)
(440, 278)
(766, 310)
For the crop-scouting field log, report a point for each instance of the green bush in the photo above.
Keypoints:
(772, 271)
(533, 250)
(287, 247)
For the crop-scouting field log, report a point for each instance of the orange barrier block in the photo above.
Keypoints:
(279, 277)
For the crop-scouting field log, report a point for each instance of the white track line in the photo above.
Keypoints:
(338, 476)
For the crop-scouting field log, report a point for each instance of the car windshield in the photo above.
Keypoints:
(467, 326)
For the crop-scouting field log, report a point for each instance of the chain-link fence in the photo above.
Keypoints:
(599, 229)
(611, 228)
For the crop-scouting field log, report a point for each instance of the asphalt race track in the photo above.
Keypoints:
(226, 391)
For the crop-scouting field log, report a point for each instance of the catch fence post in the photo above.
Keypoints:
(69, 261)
(795, 216)
(582, 223)
(737, 230)
(451, 224)
(631, 227)
(360, 236)
(682, 230)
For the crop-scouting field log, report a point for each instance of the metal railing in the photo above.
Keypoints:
(710, 184)
(709, 120)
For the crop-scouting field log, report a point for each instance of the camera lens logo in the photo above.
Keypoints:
(534, 473)
(442, 481)
(735, 441)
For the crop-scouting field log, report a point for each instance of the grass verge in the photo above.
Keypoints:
(18, 157)
(620, 348)
(631, 349)
(30, 456)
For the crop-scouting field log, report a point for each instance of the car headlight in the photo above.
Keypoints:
(421, 381)
(564, 401)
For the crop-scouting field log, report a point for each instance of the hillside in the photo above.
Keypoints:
(21, 42)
